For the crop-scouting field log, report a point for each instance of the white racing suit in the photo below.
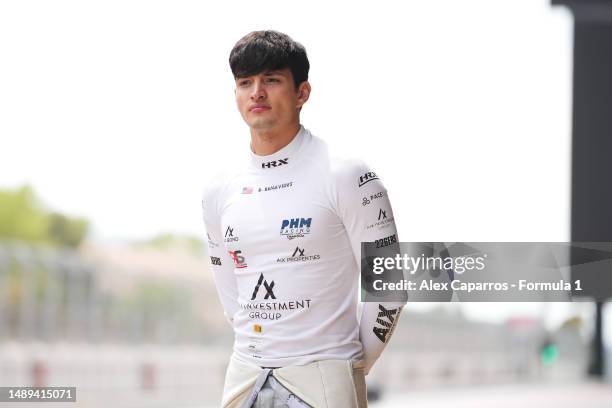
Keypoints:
(284, 239)
(321, 384)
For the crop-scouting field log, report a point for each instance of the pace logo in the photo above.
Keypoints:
(365, 201)
(215, 260)
(366, 178)
(386, 319)
(295, 227)
(239, 260)
(267, 286)
(299, 255)
(275, 163)
(229, 235)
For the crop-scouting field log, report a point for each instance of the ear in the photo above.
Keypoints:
(303, 93)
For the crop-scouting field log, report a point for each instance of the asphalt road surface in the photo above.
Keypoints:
(581, 395)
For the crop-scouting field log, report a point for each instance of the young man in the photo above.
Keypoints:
(284, 232)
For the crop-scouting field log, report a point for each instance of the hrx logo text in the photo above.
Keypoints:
(366, 178)
(275, 163)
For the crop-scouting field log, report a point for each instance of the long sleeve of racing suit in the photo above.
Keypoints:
(221, 264)
(365, 210)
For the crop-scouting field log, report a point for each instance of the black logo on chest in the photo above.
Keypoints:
(275, 163)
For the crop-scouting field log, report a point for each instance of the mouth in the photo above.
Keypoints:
(259, 108)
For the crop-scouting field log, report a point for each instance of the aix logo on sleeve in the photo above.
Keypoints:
(229, 235)
(384, 219)
(212, 244)
(386, 320)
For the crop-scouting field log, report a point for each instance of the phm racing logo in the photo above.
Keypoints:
(295, 227)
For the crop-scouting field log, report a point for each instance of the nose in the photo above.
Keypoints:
(258, 92)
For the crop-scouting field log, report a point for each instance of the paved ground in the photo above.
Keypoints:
(575, 395)
(583, 395)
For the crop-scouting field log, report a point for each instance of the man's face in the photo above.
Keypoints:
(269, 100)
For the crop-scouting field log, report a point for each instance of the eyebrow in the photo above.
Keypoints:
(269, 73)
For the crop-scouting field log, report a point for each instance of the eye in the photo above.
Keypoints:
(274, 80)
(244, 82)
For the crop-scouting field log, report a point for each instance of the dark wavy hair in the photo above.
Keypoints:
(269, 50)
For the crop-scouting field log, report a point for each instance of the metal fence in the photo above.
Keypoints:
(50, 294)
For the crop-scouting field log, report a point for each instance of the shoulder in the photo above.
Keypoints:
(351, 171)
(352, 181)
(216, 181)
(215, 186)
(341, 168)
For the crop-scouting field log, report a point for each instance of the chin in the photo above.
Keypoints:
(261, 124)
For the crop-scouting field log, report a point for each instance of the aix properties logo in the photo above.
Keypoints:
(383, 221)
(299, 255)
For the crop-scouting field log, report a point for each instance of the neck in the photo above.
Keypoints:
(268, 141)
